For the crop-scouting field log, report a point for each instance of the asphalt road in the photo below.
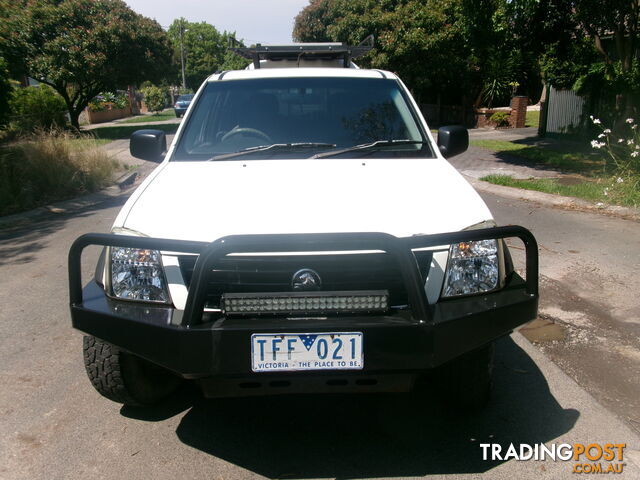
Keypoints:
(589, 309)
(53, 425)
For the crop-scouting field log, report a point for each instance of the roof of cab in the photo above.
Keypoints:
(300, 72)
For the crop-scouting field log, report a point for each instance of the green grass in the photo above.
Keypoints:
(575, 162)
(606, 190)
(593, 183)
(125, 131)
(156, 117)
(532, 119)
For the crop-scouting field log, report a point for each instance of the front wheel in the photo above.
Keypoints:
(125, 378)
(465, 382)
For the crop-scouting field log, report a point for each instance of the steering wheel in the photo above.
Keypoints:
(246, 131)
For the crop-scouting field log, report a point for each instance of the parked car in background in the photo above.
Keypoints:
(182, 103)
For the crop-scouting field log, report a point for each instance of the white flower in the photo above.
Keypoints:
(607, 130)
(619, 180)
(606, 192)
(599, 204)
(596, 121)
(597, 144)
(634, 126)
(630, 141)
(629, 120)
(602, 135)
(635, 154)
(620, 140)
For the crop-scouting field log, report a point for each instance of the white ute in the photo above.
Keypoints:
(303, 232)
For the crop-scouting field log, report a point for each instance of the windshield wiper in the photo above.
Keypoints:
(273, 146)
(366, 146)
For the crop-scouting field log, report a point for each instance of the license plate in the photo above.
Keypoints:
(306, 351)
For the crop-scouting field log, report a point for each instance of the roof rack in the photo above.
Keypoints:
(324, 51)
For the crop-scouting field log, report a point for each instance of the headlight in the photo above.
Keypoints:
(137, 274)
(473, 268)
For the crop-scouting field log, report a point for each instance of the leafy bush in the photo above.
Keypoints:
(109, 101)
(500, 72)
(155, 98)
(35, 108)
(5, 92)
(50, 166)
(501, 119)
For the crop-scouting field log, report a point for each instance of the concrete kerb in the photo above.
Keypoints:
(121, 186)
(556, 201)
(127, 179)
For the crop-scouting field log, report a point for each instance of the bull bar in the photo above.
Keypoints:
(450, 327)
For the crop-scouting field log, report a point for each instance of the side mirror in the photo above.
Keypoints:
(148, 145)
(452, 140)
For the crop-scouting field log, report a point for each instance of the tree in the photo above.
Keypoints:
(233, 61)
(460, 50)
(83, 47)
(617, 19)
(613, 26)
(425, 42)
(12, 46)
(205, 51)
(312, 21)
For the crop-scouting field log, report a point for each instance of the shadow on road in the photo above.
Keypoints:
(539, 152)
(370, 435)
(20, 241)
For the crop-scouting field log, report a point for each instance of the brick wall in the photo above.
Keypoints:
(107, 115)
(518, 115)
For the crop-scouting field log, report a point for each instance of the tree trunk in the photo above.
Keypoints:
(543, 95)
(74, 116)
(476, 104)
(73, 113)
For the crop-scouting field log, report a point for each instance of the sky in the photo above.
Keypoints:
(254, 21)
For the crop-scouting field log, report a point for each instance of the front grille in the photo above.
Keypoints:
(346, 272)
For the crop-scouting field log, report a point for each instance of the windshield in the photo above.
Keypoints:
(302, 116)
(185, 98)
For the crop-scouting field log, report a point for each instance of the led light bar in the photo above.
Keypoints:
(303, 303)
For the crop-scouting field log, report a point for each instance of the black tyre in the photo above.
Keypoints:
(465, 382)
(125, 378)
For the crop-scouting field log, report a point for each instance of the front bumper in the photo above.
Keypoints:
(401, 343)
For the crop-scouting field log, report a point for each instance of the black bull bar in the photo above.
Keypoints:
(400, 249)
